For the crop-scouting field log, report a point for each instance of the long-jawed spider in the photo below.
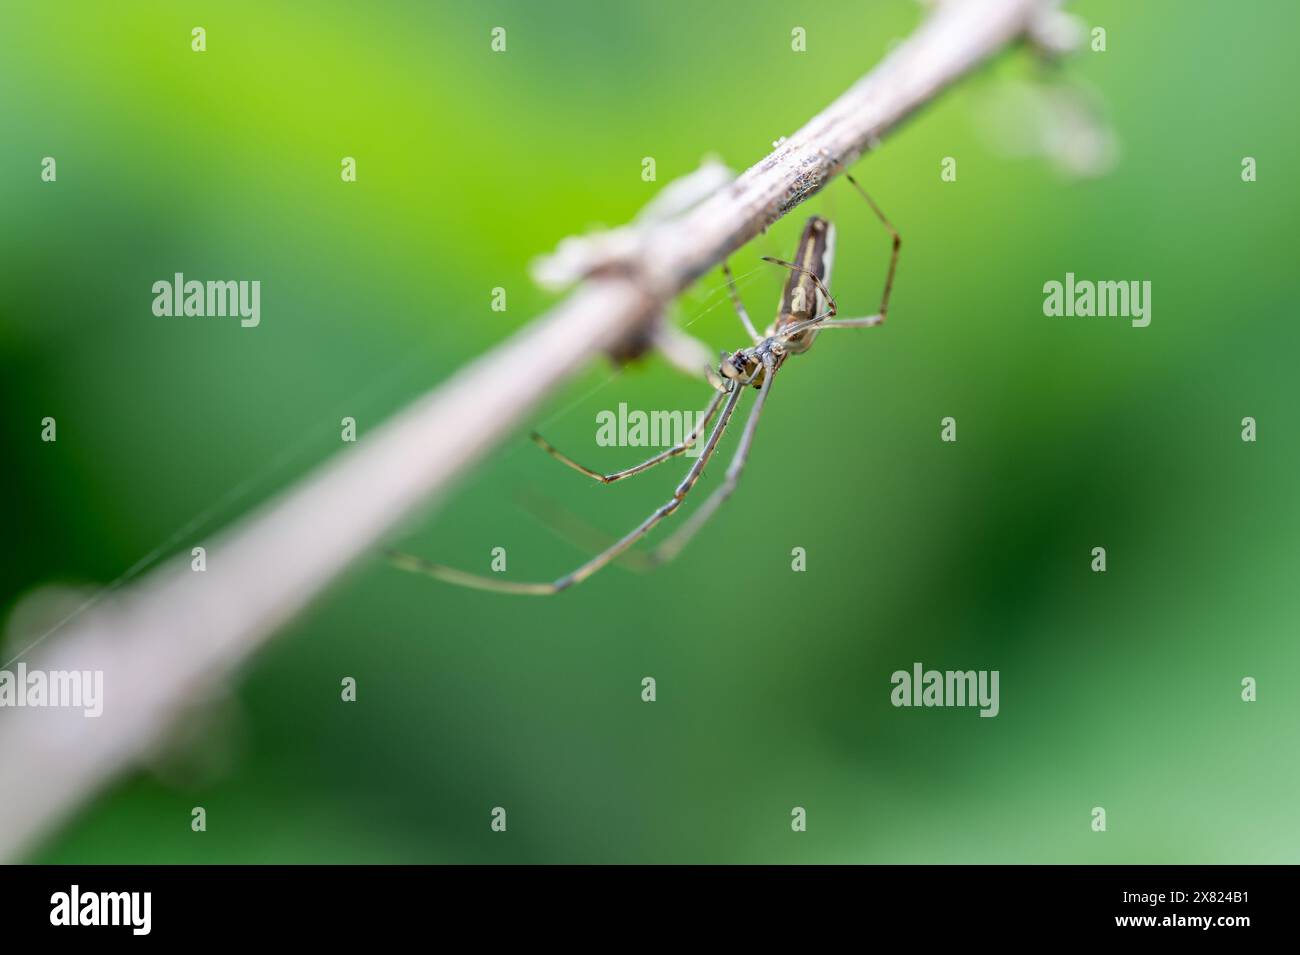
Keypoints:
(806, 309)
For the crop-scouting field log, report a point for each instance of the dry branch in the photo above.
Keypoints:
(169, 638)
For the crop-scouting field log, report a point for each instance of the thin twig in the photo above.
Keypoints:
(173, 636)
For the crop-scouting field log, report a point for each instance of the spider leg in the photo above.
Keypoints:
(701, 424)
(828, 320)
(453, 576)
(871, 321)
(893, 258)
(740, 306)
(831, 307)
(576, 531)
(681, 537)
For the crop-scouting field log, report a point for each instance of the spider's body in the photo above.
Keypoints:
(806, 309)
(801, 299)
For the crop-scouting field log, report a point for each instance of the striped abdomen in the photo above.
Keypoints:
(800, 299)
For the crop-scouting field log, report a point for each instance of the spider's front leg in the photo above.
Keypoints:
(465, 579)
(702, 423)
(679, 539)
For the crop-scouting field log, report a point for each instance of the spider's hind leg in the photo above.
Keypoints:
(893, 264)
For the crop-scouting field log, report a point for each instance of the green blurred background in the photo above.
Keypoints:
(1119, 690)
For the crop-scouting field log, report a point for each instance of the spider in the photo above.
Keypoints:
(806, 309)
